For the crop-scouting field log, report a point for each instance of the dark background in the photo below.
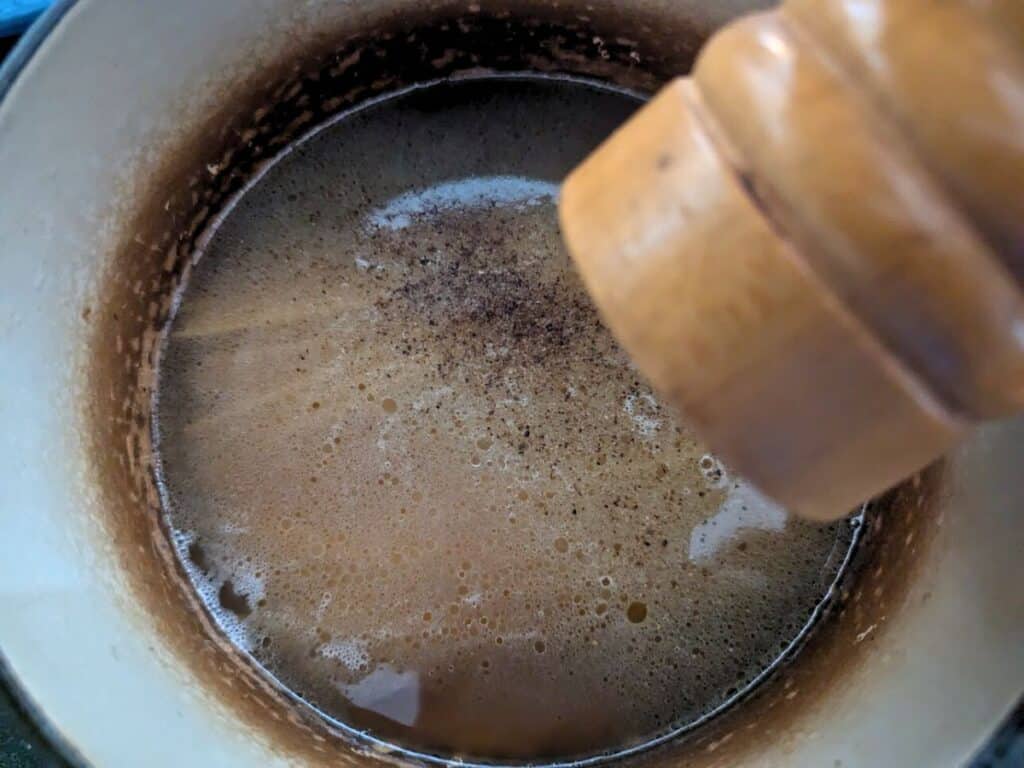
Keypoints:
(23, 746)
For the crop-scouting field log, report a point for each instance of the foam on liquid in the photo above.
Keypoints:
(410, 471)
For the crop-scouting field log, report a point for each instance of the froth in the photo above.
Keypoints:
(410, 471)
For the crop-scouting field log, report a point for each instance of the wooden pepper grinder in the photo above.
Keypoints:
(814, 245)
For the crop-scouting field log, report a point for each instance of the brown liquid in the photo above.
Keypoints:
(412, 474)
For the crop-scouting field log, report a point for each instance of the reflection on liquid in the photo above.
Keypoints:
(461, 195)
(743, 508)
(387, 692)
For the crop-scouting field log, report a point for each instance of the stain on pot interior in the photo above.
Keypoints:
(207, 167)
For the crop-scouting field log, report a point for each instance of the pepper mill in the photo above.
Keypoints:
(813, 246)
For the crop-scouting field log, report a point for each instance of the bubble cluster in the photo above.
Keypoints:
(409, 470)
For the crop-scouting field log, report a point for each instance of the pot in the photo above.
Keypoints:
(124, 128)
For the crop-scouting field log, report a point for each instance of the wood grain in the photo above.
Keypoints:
(813, 246)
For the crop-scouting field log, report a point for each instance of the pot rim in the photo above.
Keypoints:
(11, 68)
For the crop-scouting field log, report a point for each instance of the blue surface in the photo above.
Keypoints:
(16, 15)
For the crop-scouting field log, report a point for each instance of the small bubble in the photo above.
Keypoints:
(484, 443)
(561, 545)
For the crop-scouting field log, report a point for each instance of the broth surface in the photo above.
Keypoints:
(409, 470)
